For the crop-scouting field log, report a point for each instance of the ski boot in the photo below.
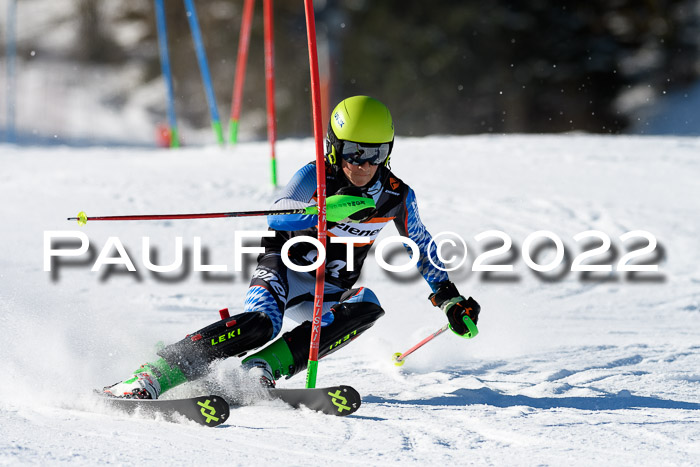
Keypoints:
(189, 358)
(148, 382)
(259, 369)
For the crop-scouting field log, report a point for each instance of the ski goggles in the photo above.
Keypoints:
(359, 153)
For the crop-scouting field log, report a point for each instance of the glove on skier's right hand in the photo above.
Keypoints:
(455, 306)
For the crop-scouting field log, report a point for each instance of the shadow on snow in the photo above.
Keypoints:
(486, 396)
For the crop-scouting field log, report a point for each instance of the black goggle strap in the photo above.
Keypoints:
(332, 146)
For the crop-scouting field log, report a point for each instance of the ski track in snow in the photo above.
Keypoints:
(568, 369)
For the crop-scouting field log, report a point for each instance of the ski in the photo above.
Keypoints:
(213, 410)
(332, 400)
(210, 410)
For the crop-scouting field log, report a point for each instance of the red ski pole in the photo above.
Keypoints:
(82, 218)
(472, 332)
(399, 357)
(342, 206)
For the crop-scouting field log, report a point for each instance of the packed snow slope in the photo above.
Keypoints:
(570, 368)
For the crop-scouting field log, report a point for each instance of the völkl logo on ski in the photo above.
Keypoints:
(339, 401)
(209, 416)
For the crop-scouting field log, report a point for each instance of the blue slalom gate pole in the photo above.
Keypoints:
(204, 69)
(167, 73)
(11, 54)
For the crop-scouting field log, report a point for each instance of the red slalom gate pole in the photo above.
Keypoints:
(241, 61)
(270, 85)
(320, 193)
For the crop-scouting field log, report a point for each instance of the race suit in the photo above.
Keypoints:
(276, 290)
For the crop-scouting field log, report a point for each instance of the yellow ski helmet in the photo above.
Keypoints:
(360, 119)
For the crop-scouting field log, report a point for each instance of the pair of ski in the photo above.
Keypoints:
(213, 410)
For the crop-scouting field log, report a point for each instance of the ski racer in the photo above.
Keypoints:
(358, 147)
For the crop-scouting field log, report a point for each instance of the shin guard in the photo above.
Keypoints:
(226, 338)
(289, 354)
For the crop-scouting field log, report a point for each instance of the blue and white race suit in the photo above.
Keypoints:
(276, 290)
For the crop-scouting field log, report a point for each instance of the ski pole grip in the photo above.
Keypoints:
(472, 330)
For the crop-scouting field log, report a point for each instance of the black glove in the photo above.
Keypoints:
(455, 306)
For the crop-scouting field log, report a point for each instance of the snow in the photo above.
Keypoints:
(568, 368)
